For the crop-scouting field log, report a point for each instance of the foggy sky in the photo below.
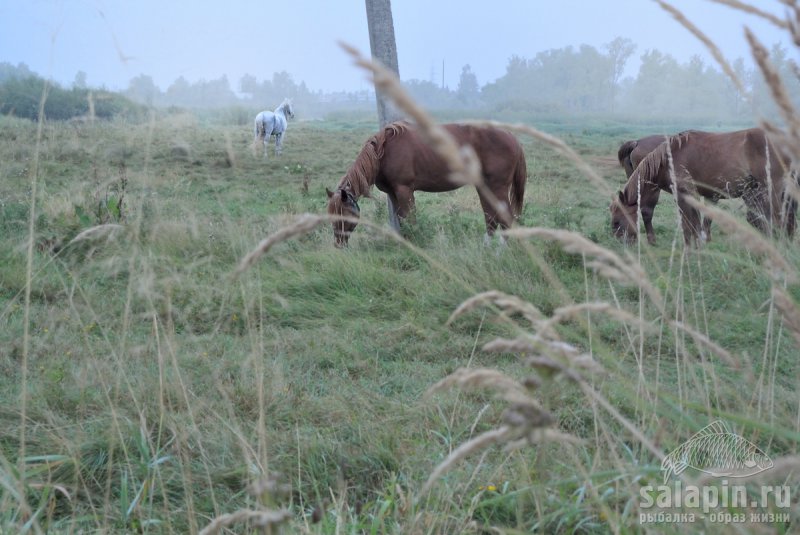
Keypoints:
(114, 41)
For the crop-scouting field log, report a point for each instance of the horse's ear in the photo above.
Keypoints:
(329, 192)
(622, 199)
(344, 195)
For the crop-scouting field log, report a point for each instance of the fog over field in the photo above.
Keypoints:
(551, 56)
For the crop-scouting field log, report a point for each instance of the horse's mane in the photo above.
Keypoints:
(652, 164)
(362, 174)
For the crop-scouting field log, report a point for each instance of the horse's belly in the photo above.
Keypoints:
(722, 188)
(437, 186)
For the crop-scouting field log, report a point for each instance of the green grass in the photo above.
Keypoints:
(158, 386)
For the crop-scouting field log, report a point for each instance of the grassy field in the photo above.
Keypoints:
(147, 389)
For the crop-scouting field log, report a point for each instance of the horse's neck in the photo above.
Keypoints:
(637, 187)
(357, 184)
(280, 122)
(655, 168)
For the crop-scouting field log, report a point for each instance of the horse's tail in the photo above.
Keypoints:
(624, 156)
(517, 194)
(258, 126)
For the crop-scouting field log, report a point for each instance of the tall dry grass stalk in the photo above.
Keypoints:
(604, 261)
(302, 225)
(268, 519)
(780, 96)
(26, 336)
(703, 38)
(559, 146)
(752, 10)
(107, 231)
(507, 303)
(790, 312)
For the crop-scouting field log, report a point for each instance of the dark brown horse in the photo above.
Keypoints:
(742, 164)
(630, 154)
(398, 161)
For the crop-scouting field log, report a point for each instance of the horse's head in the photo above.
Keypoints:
(342, 203)
(287, 108)
(623, 218)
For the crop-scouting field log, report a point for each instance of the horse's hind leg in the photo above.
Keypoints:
(491, 215)
(404, 206)
(258, 138)
(263, 140)
(759, 209)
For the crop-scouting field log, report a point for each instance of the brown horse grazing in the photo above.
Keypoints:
(742, 164)
(398, 161)
(630, 154)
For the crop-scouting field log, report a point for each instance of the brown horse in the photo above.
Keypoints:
(398, 161)
(742, 164)
(630, 154)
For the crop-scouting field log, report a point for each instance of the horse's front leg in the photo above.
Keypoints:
(491, 215)
(405, 206)
(278, 144)
(690, 219)
(391, 205)
(647, 219)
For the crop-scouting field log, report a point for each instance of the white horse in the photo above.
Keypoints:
(270, 123)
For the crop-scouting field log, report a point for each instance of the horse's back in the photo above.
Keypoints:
(265, 122)
(495, 147)
(409, 158)
(728, 163)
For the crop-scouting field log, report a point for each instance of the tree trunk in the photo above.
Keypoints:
(384, 49)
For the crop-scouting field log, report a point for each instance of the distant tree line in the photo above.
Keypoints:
(582, 81)
(21, 93)
(565, 81)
